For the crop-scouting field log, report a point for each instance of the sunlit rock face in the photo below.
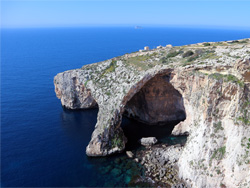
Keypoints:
(69, 87)
(157, 103)
(214, 85)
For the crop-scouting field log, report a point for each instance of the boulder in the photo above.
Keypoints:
(130, 154)
(148, 141)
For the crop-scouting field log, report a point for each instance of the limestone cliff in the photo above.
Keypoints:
(206, 85)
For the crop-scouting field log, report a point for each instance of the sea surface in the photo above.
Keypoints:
(42, 144)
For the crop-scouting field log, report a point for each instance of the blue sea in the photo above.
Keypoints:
(42, 144)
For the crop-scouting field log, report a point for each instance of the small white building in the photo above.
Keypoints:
(146, 48)
(158, 47)
(169, 46)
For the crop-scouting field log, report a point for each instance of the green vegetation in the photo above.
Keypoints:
(219, 153)
(86, 82)
(222, 185)
(217, 76)
(193, 57)
(140, 61)
(108, 93)
(187, 54)
(232, 78)
(245, 143)
(208, 54)
(111, 67)
(206, 44)
(191, 163)
(173, 54)
(218, 171)
(163, 60)
(241, 42)
(117, 141)
(217, 127)
(227, 78)
(245, 118)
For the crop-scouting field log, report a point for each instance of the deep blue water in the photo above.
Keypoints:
(44, 145)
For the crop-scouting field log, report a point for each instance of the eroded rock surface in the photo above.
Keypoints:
(69, 87)
(160, 162)
(157, 103)
(214, 86)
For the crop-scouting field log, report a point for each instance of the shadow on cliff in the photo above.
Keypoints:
(153, 111)
(135, 130)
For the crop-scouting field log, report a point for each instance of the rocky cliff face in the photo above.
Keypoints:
(157, 103)
(72, 92)
(205, 84)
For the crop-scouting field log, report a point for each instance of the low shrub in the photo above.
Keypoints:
(207, 44)
(187, 54)
(173, 54)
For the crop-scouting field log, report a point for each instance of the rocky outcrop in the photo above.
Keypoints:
(160, 163)
(211, 87)
(148, 141)
(69, 87)
(216, 152)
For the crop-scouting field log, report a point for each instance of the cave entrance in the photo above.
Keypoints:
(153, 111)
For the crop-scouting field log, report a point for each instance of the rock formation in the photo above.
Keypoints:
(208, 89)
(158, 102)
(148, 141)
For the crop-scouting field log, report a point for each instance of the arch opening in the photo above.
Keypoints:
(153, 111)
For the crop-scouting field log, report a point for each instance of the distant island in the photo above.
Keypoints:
(204, 88)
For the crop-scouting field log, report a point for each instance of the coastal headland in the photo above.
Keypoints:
(204, 88)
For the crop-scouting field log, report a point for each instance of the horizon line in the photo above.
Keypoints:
(130, 25)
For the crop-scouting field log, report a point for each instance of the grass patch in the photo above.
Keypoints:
(227, 78)
(111, 67)
(140, 61)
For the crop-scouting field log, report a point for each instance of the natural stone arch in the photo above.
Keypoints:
(156, 103)
(108, 137)
(211, 102)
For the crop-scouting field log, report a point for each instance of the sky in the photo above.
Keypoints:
(79, 13)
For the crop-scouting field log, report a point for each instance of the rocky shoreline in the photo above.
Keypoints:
(160, 165)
